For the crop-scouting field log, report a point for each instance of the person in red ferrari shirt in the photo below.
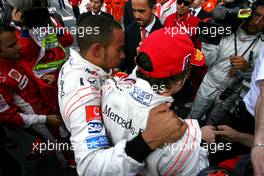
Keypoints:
(75, 7)
(184, 21)
(39, 59)
(20, 102)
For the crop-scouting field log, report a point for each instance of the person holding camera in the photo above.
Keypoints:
(229, 63)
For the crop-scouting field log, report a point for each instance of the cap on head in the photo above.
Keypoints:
(170, 54)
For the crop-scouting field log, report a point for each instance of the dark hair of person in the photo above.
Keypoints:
(254, 8)
(5, 28)
(95, 29)
(144, 62)
(256, 4)
(151, 3)
(260, 3)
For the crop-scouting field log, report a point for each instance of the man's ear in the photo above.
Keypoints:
(154, 9)
(181, 82)
(96, 50)
(164, 91)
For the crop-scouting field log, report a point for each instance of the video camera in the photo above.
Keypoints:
(226, 17)
(34, 12)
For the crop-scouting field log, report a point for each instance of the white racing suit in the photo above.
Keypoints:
(125, 109)
(251, 97)
(217, 79)
(79, 96)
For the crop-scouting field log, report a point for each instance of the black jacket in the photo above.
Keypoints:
(203, 15)
(83, 15)
(128, 14)
(132, 39)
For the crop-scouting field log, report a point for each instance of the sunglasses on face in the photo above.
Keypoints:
(185, 2)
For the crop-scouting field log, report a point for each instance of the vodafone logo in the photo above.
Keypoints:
(96, 110)
(93, 113)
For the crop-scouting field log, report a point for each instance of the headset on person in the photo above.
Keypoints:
(228, 16)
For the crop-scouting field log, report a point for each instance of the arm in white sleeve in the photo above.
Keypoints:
(93, 153)
(32, 119)
(211, 53)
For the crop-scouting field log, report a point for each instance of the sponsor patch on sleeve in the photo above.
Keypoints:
(141, 96)
(94, 127)
(23, 83)
(97, 142)
(93, 113)
(15, 74)
(3, 104)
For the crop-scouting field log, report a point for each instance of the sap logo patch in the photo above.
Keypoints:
(97, 142)
(3, 104)
(94, 127)
(23, 83)
(15, 74)
(93, 113)
(141, 96)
